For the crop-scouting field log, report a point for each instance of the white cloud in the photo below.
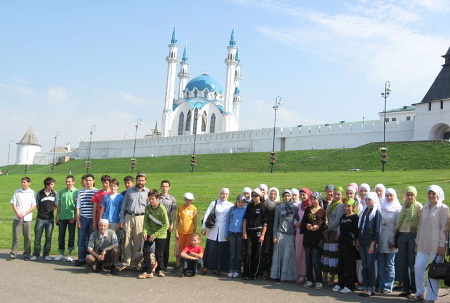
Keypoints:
(130, 98)
(57, 93)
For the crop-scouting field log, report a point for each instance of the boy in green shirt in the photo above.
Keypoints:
(156, 223)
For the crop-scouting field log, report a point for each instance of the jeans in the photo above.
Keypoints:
(84, 233)
(368, 265)
(406, 257)
(23, 227)
(236, 250)
(191, 265)
(386, 270)
(313, 262)
(63, 224)
(39, 228)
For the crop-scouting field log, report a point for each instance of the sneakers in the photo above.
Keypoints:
(145, 276)
(230, 274)
(161, 274)
(236, 274)
(114, 271)
(358, 287)
(308, 284)
(345, 290)
(59, 258)
(33, 258)
(318, 285)
(336, 288)
(12, 258)
(121, 267)
(69, 258)
(414, 298)
(182, 273)
(48, 258)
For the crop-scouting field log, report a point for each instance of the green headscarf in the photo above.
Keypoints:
(352, 203)
(411, 215)
(333, 204)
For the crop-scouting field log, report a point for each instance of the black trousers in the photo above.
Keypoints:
(159, 250)
(346, 266)
(166, 250)
(252, 255)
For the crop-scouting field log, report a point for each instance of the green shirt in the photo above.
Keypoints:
(156, 222)
(67, 202)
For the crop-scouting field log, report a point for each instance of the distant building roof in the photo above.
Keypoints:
(406, 108)
(440, 89)
(29, 138)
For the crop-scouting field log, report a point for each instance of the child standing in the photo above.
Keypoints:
(234, 236)
(111, 205)
(186, 224)
(192, 256)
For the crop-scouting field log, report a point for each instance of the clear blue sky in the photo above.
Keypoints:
(67, 65)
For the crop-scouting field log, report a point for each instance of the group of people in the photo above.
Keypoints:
(298, 235)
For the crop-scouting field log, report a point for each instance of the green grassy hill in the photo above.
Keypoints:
(402, 156)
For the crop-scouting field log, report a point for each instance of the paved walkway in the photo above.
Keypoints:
(58, 281)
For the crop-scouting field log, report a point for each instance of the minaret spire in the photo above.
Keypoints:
(183, 75)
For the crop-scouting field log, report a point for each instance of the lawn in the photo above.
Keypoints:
(206, 186)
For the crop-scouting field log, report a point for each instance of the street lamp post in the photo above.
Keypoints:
(54, 150)
(133, 159)
(273, 153)
(9, 149)
(88, 162)
(194, 156)
(385, 95)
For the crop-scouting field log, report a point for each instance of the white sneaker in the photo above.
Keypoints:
(230, 274)
(48, 258)
(345, 290)
(33, 258)
(336, 288)
(308, 284)
(318, 285)
(59, 258)
(69, 258)
(236, 274)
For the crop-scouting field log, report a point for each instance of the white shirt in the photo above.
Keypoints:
(218, 232)
(23, 200)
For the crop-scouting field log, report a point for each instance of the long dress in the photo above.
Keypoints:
(267, 246)
(283, 262)
(300, 261)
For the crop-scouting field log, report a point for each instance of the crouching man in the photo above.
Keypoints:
(103, 248)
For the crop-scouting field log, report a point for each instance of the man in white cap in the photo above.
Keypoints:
(103, 248)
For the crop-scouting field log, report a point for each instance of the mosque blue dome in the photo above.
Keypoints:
(204, 81)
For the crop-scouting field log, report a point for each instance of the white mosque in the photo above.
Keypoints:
(207, 116)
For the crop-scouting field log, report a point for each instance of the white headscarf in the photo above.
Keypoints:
(439, 191)
(277, 198)
(394, 206)
(376, 205)
(295, 192)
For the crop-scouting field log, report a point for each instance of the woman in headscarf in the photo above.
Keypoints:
(267, 247)
(283, 262)
(216, 255)
(364, 189)
(347, 235)
(295, 196)
(351, 194)
(300, 261)
(335, 211)
(314, 222)
(329, 189)
(407, 225)
(369, 234)
(380, 189)
(390, 210)
(431, 241)
(254, 230)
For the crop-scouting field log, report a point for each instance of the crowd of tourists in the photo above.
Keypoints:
(349, 238)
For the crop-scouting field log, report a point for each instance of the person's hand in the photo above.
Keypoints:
(79, 223)
(261, 239)
(121, 225)
(20, 216)
(325, 236)
(308, 226)
(415, 248)
(72, 220)
(170, 228)
(244, 236)
(391, 245)
(177, 235)
(371, 250)
(203, 231)
(144, 237)
(101, 256)
(275, 240)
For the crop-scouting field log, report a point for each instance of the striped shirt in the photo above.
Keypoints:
(84, 202)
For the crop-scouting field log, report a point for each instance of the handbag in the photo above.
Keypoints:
(211, 220)
(439, 271)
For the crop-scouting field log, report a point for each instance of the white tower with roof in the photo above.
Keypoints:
(27, 148)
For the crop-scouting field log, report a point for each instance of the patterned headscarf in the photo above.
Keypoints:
(317, 195)
(412, 215)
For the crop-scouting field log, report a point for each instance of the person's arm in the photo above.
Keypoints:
(94, 211)
(263, 234)
(198, 256)
(174, 216)
(276, 222)
(123, 209)
(195, 221)
(102, 211)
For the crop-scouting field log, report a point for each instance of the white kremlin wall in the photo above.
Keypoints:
(346, 135)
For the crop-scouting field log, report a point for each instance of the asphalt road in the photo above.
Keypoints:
(59, 281)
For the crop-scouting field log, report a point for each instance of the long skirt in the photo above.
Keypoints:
(330, 254)
(300, 260)
(283, 261)
(217, 255)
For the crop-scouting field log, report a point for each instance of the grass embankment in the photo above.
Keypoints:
(312, 169)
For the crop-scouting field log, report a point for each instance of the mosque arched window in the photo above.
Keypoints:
(195, 93)
(180, 124)
(204, 121)
(212, 126)
(188, 121)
